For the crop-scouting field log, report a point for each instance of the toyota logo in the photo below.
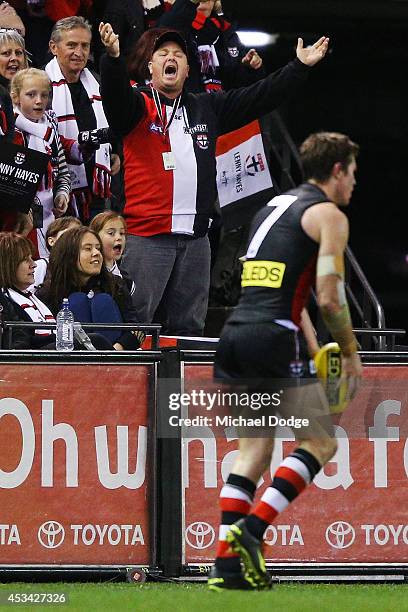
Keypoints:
(340, 535)
(51, 534)
(200, 535)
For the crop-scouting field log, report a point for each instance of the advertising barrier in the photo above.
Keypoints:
(89, 479)
(354, 512)
(74, 464)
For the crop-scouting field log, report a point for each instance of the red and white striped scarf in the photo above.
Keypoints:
(35, 309)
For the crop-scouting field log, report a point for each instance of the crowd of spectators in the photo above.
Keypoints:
(131, 153)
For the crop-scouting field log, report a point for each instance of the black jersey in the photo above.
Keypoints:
(281, 260)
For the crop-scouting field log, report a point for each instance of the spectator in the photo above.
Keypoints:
(169, 147)
(111, 229)
(37, 128)
(77, 103)
(54, 231)
(13, 57)
(76, 271)
(16, 275)
(217, 58)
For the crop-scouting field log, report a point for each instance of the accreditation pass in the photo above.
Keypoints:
(169, 160)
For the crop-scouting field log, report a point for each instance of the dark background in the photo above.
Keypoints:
(359, 89)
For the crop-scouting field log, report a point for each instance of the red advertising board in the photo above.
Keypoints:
(74, 484)
(356, 509)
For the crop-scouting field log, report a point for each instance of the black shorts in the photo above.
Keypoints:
(262, 351)
(269, 360)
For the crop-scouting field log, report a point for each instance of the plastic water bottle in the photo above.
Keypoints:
(65, 328)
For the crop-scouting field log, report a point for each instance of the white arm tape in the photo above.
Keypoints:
(329, 264)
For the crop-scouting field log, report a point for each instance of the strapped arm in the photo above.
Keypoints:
(331, 294)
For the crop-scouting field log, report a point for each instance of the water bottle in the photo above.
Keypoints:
(65, 328)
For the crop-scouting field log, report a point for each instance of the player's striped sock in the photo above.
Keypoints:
(235, 502)
(292, 476)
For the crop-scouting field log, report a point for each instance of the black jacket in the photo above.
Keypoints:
(21, 338)
(6, 112)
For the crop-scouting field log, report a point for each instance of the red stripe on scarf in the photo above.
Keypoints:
(199, 21)
(48, 134)
(58, 83)
(3, 122)
(66, 118)
(221, 24)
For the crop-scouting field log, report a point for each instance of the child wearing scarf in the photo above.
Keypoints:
(37, 129)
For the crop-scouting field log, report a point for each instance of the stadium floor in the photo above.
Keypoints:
(154, 597)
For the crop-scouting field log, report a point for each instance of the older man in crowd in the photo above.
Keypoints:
(170, 172)
(78, 105)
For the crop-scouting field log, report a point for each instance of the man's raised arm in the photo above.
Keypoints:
(237, 107)
(123, 106)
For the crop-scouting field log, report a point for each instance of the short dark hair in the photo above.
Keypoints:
(13, 250)
(320, 151)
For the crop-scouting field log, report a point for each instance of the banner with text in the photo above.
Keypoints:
(354, 512)
(73, 474)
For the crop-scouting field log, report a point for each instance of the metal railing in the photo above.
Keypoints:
(152, 329)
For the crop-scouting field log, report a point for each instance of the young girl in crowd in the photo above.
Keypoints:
(36, 128)
(111, 229)
(76, 271)
(54, 231)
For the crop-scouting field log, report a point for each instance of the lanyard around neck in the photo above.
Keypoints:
(162, 116)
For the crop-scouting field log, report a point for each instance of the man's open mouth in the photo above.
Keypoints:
(170, 70)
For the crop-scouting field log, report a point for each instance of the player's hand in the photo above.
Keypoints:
(313, 54)
(252, 59)
(60, 205)
(115, 163)
(109, 39)
(352, 371)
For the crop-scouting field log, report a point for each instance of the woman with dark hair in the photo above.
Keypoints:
(17, 303)
(76, 271)
(140, 55)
